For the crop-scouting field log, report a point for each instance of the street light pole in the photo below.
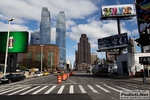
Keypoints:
(41, 56)
(6, 54)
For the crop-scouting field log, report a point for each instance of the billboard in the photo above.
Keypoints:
(118, 10)
(113, 42)
(143, 14)
(18, 42)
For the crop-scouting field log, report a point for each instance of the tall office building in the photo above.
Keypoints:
(84, 50)
(35, 37)
(45, 27)
(61, 36)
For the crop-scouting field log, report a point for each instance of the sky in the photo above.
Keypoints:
(82, 16)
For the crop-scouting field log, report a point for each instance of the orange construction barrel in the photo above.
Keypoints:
(64, 77)
(59, 79)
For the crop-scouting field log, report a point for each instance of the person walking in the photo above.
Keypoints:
(143, 74)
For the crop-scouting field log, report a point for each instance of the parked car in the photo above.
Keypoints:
(12, 78)
(38, 74)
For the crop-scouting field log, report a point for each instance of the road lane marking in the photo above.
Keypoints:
(29, 90)
(9, 90)
(102, 88)
(122, 88)
(132, 86)
(6, 89)
(92, 89)
(51, 89)
(19, 91)
(40, 90)
(61, 89)
(111, 88)
(72, 81)
(82, 89)
(71, 90)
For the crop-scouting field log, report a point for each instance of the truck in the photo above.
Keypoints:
(104, 69)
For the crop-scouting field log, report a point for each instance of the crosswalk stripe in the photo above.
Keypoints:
(51, 89)
(9, 90)
(122, 88)
(112, 88)
(92, 89)
(82, 89)
(5, 89)
(29, 90)
(132, 86)
(102, 88)
(61, 89)
(71, 89)
(19, 91)
(40, 90)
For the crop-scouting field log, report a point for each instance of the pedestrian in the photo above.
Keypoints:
(143, 75)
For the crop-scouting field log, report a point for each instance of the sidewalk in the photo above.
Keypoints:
(129, 79)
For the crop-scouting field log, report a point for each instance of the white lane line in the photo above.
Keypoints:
(71, 89)
(6, 89)
(29, 90)
(19, 91)
(122, 88)
(40, 90)
(82, 89)
(50, 90)
(114, 98)
(92, 89)
(132, 86)
(102, 88)
(61, 89)
(112, 88)
(9, 90)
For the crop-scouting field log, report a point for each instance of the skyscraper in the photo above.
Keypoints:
(61, 36)
(84, 50)
(35, 37)
(45, 27)
(83, 55)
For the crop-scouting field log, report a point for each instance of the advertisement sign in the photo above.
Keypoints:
(143, 14)
(112, 42)
(118, 10)
(18, 42)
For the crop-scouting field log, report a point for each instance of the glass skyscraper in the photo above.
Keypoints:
(61, 36)
(35, 37)
(45, 27)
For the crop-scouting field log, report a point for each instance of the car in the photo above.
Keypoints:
(9, 78)
(45, 73)
(38, 74)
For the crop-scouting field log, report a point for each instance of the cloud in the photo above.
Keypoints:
(31, 9)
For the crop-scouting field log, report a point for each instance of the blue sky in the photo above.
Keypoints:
(82, 16)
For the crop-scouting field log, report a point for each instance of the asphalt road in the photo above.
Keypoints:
(80, 86)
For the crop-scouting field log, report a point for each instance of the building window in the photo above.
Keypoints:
(38, 56)
(50, 58)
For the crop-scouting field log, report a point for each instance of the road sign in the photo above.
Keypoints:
(144, 60)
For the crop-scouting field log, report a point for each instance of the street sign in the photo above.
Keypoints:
(144, 60)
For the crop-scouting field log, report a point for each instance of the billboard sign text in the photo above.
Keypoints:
(113, 42)
(143, 14)
(118, 10)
